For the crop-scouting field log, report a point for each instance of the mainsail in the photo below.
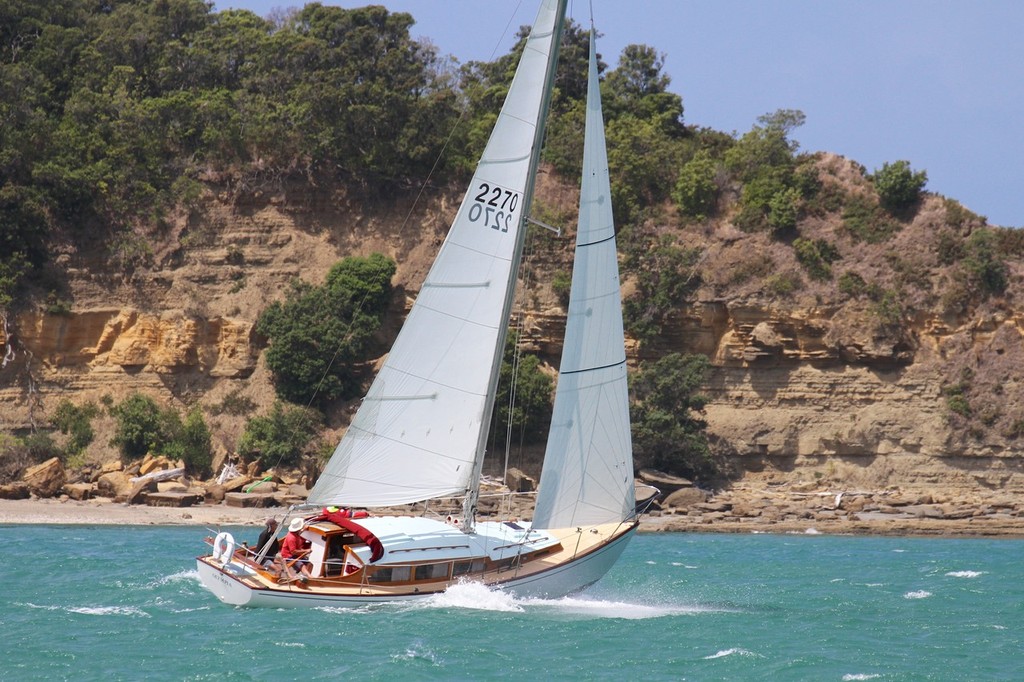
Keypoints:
(421, 429)
(588, 464)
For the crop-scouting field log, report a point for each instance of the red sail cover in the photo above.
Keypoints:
(377, 549)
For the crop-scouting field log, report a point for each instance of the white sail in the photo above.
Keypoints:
(588, 465)
(419, 432)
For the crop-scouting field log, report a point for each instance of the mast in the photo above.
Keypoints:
(554, 41)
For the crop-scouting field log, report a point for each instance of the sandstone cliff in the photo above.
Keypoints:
(805, 387)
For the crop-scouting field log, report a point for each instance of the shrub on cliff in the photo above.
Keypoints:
(76, 422)
(696, 190)
(664, 274)
(140, 426)
(898, 186)
(282, 437)
(318, 332)
(190, 443)
(668, 429)
(816, 256)
(983, 263)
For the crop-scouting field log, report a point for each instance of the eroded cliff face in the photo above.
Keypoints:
(802, 392)
(129, 340)
(793, 398)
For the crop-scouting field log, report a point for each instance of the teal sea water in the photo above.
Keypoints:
(125, 603)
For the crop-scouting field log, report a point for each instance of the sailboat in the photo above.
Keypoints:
(421, 430)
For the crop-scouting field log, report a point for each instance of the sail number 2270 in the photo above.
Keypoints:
(494, 206)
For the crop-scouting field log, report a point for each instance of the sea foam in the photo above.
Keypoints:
(470, 595)
(108, 611)
(730, 652)
(608, 608)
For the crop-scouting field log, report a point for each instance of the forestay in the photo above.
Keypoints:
(588, 465)
(419, 432)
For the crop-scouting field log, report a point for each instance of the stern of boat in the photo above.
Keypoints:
(224, 580)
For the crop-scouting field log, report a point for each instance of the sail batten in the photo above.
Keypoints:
(592, 369)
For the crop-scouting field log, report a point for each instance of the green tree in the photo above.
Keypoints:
(283, 437)
(696, 190)
(783, 210)
(664, 275)
(76, 422)
(767, 146)
(317, 333)
(190, 443)
(641, 163)
(898, 186)
(141, 426)
(764, 161)
(669, 432)
(638, 87)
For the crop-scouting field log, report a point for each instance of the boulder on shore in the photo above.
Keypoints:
(46, 479)
(666, 483)
(115, 485)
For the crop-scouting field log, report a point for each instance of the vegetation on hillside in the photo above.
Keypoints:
(285, 436)
(667, 415)
(120, 117)
(143, 427)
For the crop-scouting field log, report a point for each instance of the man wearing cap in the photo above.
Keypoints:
(293, 549)
(267, 536)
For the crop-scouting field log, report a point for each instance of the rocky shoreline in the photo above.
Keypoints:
(805, 509)
(155, 491)
(735, 511)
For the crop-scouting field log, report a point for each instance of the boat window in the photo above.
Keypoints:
(464, 567)
(390, 574)
(432, 571)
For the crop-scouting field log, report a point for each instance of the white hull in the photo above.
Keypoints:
(236, 584)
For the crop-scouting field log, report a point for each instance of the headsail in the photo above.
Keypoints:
(420, 431)
(588, 465)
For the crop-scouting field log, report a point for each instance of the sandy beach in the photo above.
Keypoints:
(102, 511)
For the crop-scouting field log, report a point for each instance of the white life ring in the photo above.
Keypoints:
(223, 547)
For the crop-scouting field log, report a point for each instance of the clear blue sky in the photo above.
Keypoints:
(939, 83)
